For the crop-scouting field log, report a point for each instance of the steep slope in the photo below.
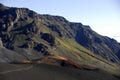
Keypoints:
(104, 46)
(34, 36)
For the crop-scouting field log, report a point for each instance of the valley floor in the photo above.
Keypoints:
(49, 72)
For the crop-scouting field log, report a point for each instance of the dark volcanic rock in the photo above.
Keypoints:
(49, 38)
(42, 48)
(55, 28)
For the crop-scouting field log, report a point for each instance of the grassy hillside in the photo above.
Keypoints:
(77, 53)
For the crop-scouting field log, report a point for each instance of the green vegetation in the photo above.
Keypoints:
(75, 52)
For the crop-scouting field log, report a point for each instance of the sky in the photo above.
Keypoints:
(103, 16)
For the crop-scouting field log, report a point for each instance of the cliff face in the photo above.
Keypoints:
(102, 45)
(24, 30)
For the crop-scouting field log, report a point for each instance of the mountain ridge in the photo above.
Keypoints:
(26, 35)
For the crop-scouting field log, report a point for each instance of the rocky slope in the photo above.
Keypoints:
(19, 26)
(26, 35)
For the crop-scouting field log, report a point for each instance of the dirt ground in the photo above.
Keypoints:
(49, 72)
